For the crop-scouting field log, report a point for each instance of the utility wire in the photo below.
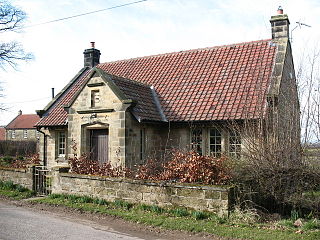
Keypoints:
(83, 14)
(34, 100)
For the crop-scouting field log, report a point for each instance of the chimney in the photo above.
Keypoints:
(280, 25)
(19, 112)
(52, 93)
(91, 56)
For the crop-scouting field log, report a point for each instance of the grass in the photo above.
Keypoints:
(15, 191)
(188, 220)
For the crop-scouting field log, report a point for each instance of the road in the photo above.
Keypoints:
(18, 223)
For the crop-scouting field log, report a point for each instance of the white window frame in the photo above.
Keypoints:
(13, 134)
(61, 143)
(25, 134)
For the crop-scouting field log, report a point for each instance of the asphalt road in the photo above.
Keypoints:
(17, 223)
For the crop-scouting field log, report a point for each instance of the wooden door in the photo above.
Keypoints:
(99, 145)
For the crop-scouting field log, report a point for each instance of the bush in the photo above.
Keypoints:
(19, 162)
(84, 165)
(188, 167)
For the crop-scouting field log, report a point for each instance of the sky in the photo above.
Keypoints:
(142, 29)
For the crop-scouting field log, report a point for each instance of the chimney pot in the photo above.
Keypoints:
(280, 10)
(92, 44)
(19, 112)
(280, 25)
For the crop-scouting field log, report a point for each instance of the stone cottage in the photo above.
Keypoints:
(22, 128)
(125, 111)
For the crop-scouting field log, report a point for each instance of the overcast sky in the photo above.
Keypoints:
(146, 28)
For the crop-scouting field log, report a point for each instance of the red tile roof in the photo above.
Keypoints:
(23, 121)
(219, 83)
(2, 133)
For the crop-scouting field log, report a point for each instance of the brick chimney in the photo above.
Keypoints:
(280, 25)
(91, 56)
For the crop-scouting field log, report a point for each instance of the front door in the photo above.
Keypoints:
(99, 145)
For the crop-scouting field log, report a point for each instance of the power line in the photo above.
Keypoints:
(34, 100)
(83, 14)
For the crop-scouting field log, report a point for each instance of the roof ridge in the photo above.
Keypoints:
(186, 51)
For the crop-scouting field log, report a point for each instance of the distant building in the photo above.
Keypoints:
(22, 127)
(2, 133)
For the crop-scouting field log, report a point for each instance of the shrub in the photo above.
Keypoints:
(84, 165)
(187, 167)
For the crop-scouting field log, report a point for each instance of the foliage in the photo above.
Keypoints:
(188, 167)
(17, 148)
(84, 165)
(19, 161)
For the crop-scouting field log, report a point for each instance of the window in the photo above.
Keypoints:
(234, 144)
(196, 140)
(13, 134)
(95, 98)
(61, 144)
(215, 146)
(25, 133)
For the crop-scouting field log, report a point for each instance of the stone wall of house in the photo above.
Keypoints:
(208, 198)
(50, 147)
(109, 114)
(23, 176)
(19, 135)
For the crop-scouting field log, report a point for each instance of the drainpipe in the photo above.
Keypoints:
(44, 146)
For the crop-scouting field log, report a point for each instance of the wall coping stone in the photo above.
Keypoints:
(221, 188)
(23, 170)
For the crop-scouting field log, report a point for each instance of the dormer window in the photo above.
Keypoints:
(95, 98)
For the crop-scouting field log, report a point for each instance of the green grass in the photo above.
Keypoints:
(188, 220)
(15, 191)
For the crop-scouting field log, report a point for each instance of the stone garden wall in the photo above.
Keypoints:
(201, 197)
(23, 176)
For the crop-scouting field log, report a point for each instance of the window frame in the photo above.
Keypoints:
(95, 94)
(195, 144)
(216, 154)
(25, 134)
(234, 144)
(61, 145)
(13, 134)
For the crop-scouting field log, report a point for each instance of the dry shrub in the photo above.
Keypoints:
(187, 167)
(84, 165)
(23, 162)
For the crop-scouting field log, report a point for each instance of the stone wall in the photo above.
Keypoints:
(201, 197)
(23, 176)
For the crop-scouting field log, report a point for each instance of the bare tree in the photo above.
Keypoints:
(11, 19)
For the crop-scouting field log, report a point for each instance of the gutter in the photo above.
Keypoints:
(44, 146)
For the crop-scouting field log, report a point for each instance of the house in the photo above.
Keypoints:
(22, 128)
(125, 111)
(2, 133)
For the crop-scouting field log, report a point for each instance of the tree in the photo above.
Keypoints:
(11, 19)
